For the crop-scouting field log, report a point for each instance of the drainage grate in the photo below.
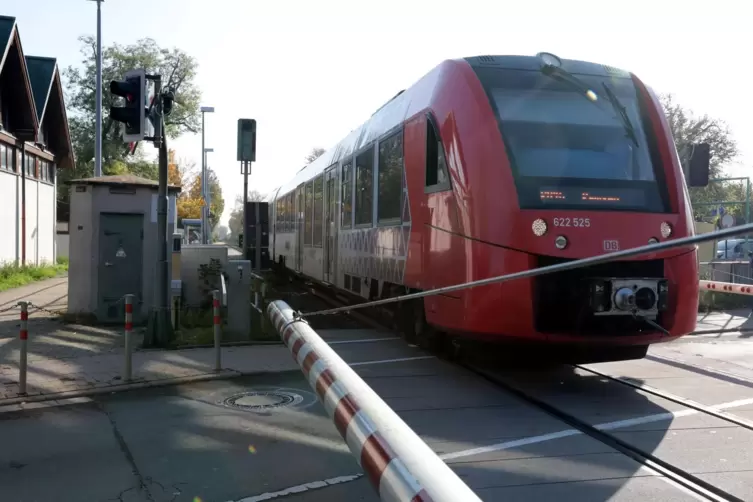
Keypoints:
(255, 401)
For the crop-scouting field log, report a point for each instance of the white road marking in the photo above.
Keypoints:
(397, 360)
(365, 340)
(314, 485)
(619, 424)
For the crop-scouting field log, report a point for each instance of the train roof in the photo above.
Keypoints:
(416, 98)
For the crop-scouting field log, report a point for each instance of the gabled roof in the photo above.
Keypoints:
(40, 79)
(6, 29)
(41, 72)
(9, 40)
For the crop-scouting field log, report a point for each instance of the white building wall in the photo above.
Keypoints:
(46, 219)
(8, 220)
(32, 229)
(40, 220)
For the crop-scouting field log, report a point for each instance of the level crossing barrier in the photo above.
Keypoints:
(726, 287)
(400, 466)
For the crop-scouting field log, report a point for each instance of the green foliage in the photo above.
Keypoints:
(13, 276)
(209, 277)
(314, 154)
(688, 129)
(236, 217)
(178, 71)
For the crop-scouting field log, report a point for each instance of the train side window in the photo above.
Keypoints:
(390, 178)
(277, 214)
(318, 209)
(291, 212)
(437, 178)
(286, 219)
(365, 187)
(347, 194)
(308, 214)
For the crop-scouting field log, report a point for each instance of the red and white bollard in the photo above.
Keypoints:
(127, 368)
(217, 327)
(24, 337)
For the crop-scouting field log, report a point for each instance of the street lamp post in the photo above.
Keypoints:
(204, 208)
(98, 108)
(206, 192)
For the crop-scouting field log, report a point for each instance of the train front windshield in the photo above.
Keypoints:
(574, 149)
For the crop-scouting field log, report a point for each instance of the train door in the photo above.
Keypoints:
(299, 228)
(330, 219)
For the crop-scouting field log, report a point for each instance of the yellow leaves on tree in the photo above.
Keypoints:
(190, 200)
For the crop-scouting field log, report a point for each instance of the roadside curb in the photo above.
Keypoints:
(111, 389)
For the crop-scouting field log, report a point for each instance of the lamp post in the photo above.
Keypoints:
(98, 108)
(205, 208)
(206, 194)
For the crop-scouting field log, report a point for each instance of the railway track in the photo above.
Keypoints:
(684, 480)
(690, 482)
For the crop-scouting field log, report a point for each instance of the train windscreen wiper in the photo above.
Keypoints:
(621, 113)
(558, 73)
(565, 76)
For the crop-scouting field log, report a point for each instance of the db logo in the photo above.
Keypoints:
(611, 245)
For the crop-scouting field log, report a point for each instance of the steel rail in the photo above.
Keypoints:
(675, 474)
(708, 410)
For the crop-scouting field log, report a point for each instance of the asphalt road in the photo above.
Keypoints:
(187, 444)
(170, 444)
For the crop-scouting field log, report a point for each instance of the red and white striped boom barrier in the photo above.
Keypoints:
(400, 466)
(727, 287)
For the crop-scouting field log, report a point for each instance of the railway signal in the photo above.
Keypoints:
(132, 89)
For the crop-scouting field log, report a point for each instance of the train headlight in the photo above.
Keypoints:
(539, 227)
(560, 242)
(653, 240)
(666, 230)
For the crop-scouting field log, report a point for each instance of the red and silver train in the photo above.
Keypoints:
(491, 165)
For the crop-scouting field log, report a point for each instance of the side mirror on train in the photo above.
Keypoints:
(698, 166)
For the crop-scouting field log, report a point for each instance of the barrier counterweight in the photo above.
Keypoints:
(400, 466)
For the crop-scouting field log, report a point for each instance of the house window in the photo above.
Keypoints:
(390, 178)
(30, 166)
(365, 187)
(4, 165)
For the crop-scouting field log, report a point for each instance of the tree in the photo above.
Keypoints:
(178, 71)
(315, 154)
(236, 216)
(184, 174)
(688, 129)
(222, 232)
(190, 202)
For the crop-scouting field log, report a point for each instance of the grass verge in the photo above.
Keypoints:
(13, 276)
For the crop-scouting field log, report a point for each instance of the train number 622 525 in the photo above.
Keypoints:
(572, 222)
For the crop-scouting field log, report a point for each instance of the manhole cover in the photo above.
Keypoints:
(263, 400)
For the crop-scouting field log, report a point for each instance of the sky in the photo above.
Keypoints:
(309, 72)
